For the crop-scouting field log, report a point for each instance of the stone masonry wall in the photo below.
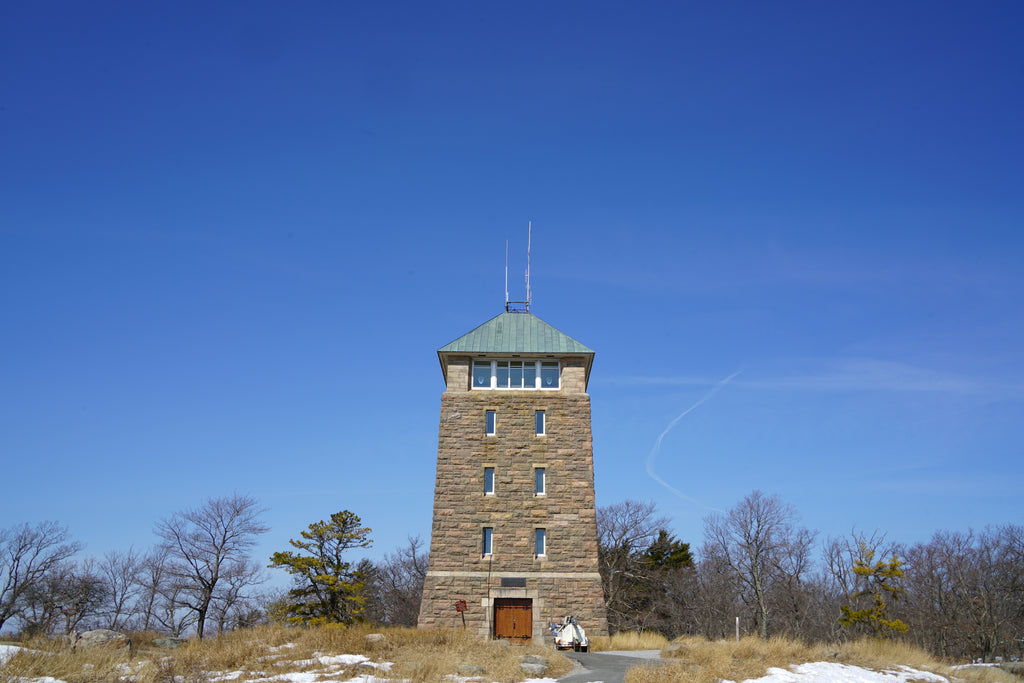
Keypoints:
(566, 580)
(553, 598)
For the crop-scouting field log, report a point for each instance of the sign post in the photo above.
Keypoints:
(460, 607)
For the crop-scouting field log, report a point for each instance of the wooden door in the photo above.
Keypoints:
(513, 619)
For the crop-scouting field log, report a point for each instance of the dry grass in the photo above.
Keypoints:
(43, 657)
(431, 658)
(628, 640)
(696, 660)
(421, 656)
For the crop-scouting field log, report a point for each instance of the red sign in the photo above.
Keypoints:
(460, 606)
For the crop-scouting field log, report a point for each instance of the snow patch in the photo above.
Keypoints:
(830, 672)
(8, 651)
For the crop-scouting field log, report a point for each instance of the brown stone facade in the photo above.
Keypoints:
(565, 580)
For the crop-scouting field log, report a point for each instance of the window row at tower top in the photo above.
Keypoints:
(516, 374)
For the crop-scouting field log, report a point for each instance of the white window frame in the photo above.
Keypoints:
(542, 472)
(540, 542)
(487, 541)
(490, 422)
(489, 492)
(539, 365)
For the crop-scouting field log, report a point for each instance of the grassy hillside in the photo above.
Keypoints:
(250, 654)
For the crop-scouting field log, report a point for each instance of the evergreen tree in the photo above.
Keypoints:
(879, 580)
(327, 589)
(668, 552)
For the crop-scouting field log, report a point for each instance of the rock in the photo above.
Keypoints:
(169, 643)
(533, 665)
(103, 637)
(533, 659)
(376, 641)
(470, 670)
(533, 669)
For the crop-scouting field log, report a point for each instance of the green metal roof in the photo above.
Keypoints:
(515, 332)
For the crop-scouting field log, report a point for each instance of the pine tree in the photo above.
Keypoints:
(879, 581)
(327, 589)
(667, 552)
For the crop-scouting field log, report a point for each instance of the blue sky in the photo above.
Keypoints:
(232, 239)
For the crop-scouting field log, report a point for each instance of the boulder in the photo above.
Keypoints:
(103, 637)
(377, 641)
(470, 670)
(533, 669)
(533, 665)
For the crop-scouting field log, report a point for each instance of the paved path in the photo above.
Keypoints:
(606, 667)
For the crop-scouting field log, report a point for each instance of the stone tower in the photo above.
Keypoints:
(514, 534)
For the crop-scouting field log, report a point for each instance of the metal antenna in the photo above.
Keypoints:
(520, 306)
(529, 238)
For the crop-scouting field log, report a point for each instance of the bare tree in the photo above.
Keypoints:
(232, 603)
(398, 585)
(718, 597)
(66, 596)
(171, 611)
(756, 540)
(964, 593)
(121, 573)
(208, 549)
(27, 555)
(624, 531)
(153, 579)
(791, 596)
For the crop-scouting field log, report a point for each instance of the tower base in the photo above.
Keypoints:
(497, 603)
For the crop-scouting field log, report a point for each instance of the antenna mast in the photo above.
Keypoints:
(520, 306)
(529, 238)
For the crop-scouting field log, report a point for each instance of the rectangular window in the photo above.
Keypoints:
(540, 422)
(529, 375)
(487, 538)
(540, 544)
(549, 375)
(492, 420)
(481, 374)
(539, 481)
(489, 480)
(515, 374)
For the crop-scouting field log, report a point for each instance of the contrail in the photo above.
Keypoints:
(657, 444)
